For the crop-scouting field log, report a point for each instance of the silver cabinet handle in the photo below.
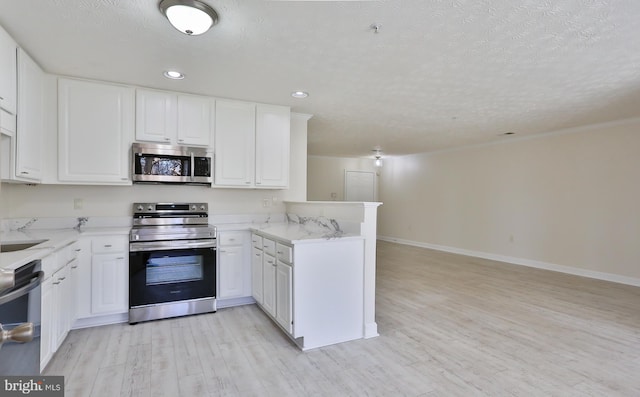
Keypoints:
(79, 249)
(55, 282)
(107, 246)
(24, 173)
(74, 267)
(257, 254)
(22, 333)
(62, 278)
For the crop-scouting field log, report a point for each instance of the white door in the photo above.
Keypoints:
(359, 186)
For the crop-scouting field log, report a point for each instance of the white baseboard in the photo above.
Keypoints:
(616, 278)
(222, 303)
(101, 320)
(371, 330)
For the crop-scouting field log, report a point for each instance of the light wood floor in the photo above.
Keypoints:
(450, 325)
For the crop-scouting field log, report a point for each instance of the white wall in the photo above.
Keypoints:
(326, 175)
(567, 199)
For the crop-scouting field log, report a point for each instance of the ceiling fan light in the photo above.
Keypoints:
(191, 17)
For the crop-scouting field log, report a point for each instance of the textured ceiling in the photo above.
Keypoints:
(438, 74)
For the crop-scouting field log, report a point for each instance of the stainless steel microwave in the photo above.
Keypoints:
(156, 163)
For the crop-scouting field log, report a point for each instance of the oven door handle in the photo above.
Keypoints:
(169, 245)
(36, 280)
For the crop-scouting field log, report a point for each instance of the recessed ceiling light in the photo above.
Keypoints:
(174, 75)
(299, 94)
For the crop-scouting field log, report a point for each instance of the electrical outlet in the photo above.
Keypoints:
(266, 202)
(78, 204)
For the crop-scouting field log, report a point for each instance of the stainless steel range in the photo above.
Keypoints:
(172, 261)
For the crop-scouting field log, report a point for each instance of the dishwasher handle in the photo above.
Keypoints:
(36, 280)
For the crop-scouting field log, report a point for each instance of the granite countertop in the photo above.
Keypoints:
(312, 232)
(54, 239)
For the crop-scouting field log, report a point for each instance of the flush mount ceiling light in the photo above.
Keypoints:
(174, 75)
(299, 94)
(191, 17)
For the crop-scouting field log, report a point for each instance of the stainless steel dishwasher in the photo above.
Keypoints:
(20, 320)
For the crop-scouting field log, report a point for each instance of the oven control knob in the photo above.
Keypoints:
(193, 208)
(140, 208)
(150, 208)
(202, 207)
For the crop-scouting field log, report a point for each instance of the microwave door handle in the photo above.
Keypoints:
(193, 166)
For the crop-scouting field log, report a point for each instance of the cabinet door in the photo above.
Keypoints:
(231, 272)
(269, 284)
(283, 296)
(72, 288)
(109, 283)
(273, 126)
(60, 300)
(30, 126)
(95, 131)
(156, 116)
(8, 92)
(83, 279)
(256, 275)
(194, 120)
(234, 143)
(46, 323)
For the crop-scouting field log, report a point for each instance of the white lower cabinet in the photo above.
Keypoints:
(58, 300)
(284, 314)
(272, 272)
(231, 274)
(46, 320)
(234, 273)
(269, 284)
(256, 275)
(109, 275)
(311, 288)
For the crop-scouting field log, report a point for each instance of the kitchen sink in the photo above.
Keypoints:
(11, 247)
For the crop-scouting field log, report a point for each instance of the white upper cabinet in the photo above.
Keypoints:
(195, 120)
(273, 126)
(8, 91)
(252, 145)
(235, 143)
(96, 123)
(165, 117)
(30, 119)
(156, 116)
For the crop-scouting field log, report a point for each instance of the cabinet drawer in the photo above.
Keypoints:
(269, 246)
(256, 241)
(70, 252)
(284, 253)
(49, 264)
(102, 245)
(231, 238)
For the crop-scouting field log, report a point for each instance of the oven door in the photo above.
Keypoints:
(172, 274)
